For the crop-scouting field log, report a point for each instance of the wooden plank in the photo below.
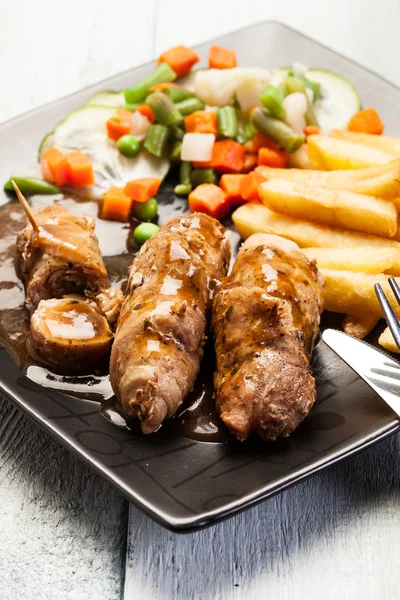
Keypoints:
(62, 528)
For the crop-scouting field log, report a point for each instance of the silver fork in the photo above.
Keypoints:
(388, 311)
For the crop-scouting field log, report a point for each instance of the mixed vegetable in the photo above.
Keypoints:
(214, 126)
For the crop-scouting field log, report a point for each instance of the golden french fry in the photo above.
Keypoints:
(367, 260)
(382, 180)
(252, 218)
(330, 153)
(353, 293)
(386, 341)
(339, 208)
(384, 143)
(360, 326)
(300, 159)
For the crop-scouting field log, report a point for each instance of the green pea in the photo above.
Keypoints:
(129, 146)
(143, 232)
(145, 211)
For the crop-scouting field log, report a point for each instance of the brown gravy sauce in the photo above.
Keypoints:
(196, 419)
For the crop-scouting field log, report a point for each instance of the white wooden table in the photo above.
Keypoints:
(64, 533)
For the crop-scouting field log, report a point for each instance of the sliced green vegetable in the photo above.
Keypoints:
(248, 132)
(85, 129)
(338, 100)
(31, 185)
(156, 140)
(314, 86)
(128, 146)
(185, 186)
(164, 110)
(162, 74)
(175, 154)
(200, 176)
(144, 231)
(107, 98)
(179, 94)
(272, 98)
(186, 107)
(145, 211)
(276, 130)
(227, 122)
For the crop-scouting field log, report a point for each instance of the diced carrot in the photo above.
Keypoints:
(54, 166)
(366, 121)
(272, 158)
(146, 111)
(230, 183)
(181, 59)
(80, 169)
(141, 190)
(260, 141)
(250, 162)
(221, 58)
(228, 156)
(311, 130)
(210, 199)
(116, 205)
(120, 124)
(249, 185)
(160, 87)
(201, 121)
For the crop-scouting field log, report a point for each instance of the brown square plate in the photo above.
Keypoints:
(187, 483)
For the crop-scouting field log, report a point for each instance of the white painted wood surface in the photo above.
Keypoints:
(62, 529)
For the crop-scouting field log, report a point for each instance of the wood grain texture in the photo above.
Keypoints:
(62, 529)
(333, 536)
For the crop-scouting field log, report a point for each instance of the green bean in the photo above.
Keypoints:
(179, 94)
(128, 146)
(185, 186)
(314, 86)
(294, 84)
(31, 185)
(310, 116)
(164, 110)
(186, 107)
(156, 139)
(175, 154)
(227, 122)
(162, 74)
(145, 211)
(276, 130)
(144, 231)
(248, 132)
(176, 132)
(131, 107)
(200, 176)
(272, 98)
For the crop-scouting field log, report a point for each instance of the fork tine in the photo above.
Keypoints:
(395, 288)
(388, 311)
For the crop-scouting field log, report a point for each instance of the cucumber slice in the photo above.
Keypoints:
(115, 99)
(338, 102)
(85, 130)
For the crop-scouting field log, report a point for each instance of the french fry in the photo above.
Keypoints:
(380, 142)
(339, 208)
(386, 341)
(382, 180)
(360, 326)
(353, 293)
(374, 260)
(252, 218)
(300, 159)
(330, 153)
